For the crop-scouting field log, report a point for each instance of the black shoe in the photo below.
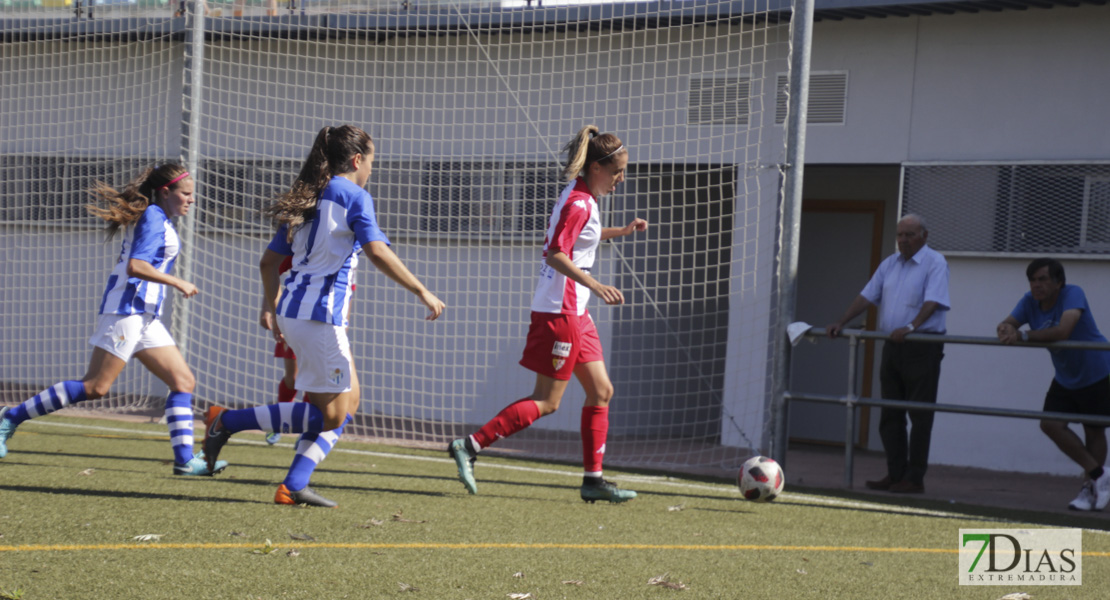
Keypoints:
(882, 485)
(215, 436)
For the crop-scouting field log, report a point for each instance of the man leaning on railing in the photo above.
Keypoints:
(1056, 311)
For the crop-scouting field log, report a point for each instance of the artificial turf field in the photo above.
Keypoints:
(89, 509)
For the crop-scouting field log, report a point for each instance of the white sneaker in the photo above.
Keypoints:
(1086, 498)
(1102, 490)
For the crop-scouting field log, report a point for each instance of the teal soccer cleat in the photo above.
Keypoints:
(465, 461)
(7, 429)
(273, 438)
(606, 490)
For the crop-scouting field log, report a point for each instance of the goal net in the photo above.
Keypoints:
(469, 104)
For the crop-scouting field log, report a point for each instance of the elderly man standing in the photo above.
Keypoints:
(911, 290)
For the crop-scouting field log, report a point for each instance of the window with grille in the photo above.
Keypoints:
(1009, 209)
(55, 189)
(719, 101)
(487, 198)
(233, 193)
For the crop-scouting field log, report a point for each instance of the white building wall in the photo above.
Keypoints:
(1011, 86)
(1016, 85)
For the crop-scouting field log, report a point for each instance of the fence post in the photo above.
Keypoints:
(790, 213)
(850, 405)
(190, 154)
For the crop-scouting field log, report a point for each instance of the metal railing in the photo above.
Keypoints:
(851, 400)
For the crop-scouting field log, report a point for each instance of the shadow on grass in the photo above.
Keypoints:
(956, 511)
(115, 494)
(90, 456)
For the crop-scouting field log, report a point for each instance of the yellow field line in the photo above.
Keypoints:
(478, 546)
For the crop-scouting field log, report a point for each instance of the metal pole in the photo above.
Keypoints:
(790, 212)
(850, 405)
(190, 151)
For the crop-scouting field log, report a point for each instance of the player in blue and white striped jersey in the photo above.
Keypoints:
(325, 221)
(131, 308)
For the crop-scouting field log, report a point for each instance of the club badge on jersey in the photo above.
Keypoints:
(559, 354)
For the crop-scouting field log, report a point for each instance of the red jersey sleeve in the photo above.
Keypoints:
(573, 218)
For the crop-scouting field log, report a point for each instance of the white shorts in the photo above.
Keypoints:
(124, 335)
(323, 355)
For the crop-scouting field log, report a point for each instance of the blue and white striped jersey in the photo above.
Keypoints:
(325, 253)
(153, 239)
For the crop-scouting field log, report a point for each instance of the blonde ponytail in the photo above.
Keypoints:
(586, 149)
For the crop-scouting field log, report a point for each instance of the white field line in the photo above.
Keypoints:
(654, 480)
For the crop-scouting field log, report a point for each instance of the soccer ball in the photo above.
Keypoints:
(760, 479)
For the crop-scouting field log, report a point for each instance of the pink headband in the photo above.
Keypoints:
(174, 180)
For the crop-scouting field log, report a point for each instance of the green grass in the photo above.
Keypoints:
(76, 493)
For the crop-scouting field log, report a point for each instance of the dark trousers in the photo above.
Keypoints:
(909, 371)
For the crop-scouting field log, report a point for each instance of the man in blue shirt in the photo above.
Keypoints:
(1055, 312)
(910, 288)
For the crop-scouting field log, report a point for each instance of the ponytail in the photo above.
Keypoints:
(123, 208)
(330, 155)
(585, 149)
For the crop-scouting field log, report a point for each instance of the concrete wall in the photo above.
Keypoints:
(1010, 86)
(1015, 85)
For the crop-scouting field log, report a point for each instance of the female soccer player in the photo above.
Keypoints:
(325, 221)
(562, 338)
(287, 390)
(130, 311)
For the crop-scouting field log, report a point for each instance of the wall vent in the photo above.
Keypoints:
(828, 97)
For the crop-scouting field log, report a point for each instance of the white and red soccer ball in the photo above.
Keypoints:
(760, 479)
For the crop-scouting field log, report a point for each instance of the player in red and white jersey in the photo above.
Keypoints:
(562, 340)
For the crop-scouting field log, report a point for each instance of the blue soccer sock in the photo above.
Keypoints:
(312, 449)
(284, 417)
(179, 418)
(55, 397)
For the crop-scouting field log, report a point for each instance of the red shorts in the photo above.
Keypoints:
(283, 351)
(557, 343)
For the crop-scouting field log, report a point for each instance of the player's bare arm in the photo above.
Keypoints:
(562, 263)
(269, 270)
(635, 225)
(143, 270)
(386, 261)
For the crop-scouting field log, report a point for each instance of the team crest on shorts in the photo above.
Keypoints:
(120, 341)
(558, 363)
(337, 376)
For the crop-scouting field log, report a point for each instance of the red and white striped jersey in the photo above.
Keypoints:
(575, 230)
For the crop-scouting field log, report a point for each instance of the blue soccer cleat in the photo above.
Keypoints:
(197, 466)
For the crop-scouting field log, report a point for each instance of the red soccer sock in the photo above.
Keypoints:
(595, 428)
(285, 393)
(511, 419)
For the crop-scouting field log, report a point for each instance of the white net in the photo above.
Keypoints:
(468, 105)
